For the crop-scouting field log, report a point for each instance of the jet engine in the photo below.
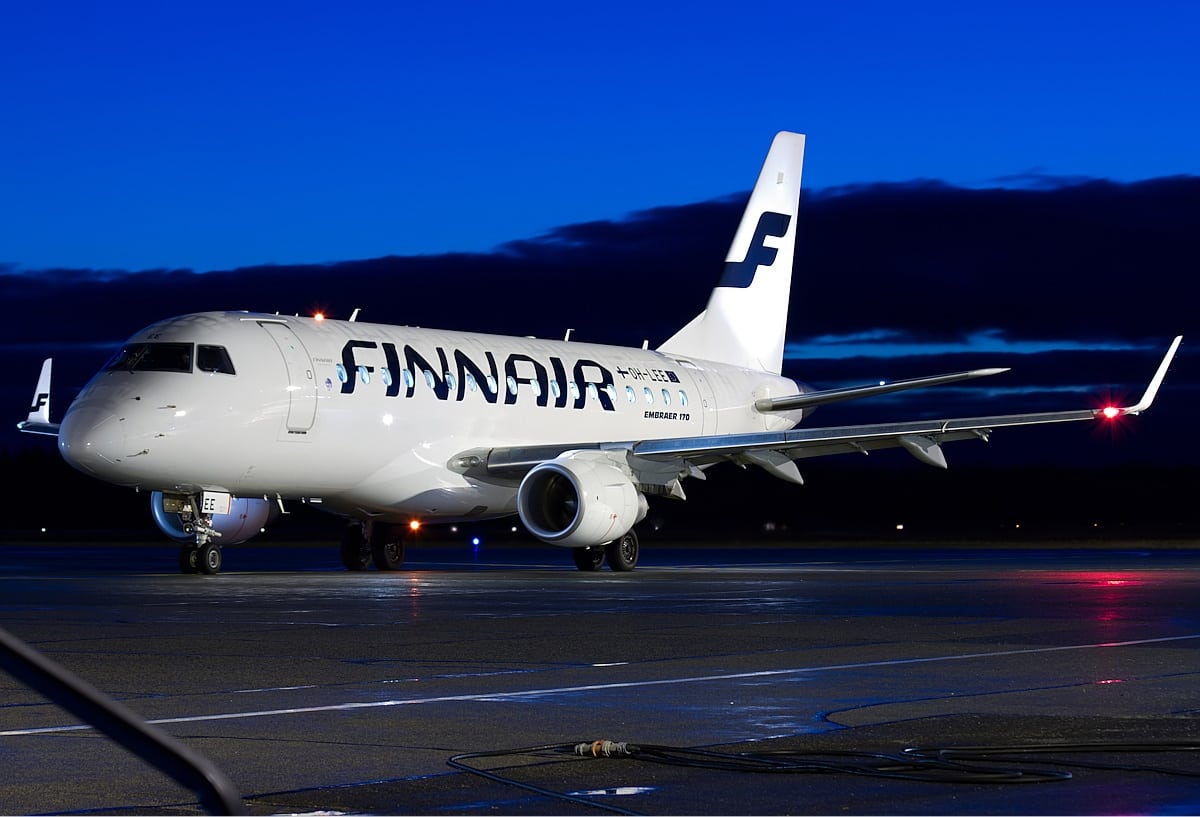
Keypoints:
(246, 518)
(579, 500)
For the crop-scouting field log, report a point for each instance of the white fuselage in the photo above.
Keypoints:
(368, 419)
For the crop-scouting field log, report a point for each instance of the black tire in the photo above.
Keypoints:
(388, 554)
(588, 559)
(208, 559)
(356, 554)
(189, 559)
(622, 552)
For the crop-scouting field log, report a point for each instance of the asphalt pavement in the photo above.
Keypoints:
(887, 678)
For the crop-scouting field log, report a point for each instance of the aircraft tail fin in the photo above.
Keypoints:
(38, 421)
(746, 317)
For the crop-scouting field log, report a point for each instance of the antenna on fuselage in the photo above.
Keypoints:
(568, 335)
(354, 315)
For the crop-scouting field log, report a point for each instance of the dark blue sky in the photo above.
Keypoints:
(221, 134)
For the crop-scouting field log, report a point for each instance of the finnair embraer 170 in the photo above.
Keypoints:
(224, 416)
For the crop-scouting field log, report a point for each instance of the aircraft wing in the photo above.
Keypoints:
(819, 398)
(664, 462)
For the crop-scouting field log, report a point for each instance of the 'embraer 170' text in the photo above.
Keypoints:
(455, 375)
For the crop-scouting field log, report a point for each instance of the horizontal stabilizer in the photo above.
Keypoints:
(31, 427)
(817, 398)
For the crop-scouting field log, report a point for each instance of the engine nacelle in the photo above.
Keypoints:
(579, 500)
(246, 518)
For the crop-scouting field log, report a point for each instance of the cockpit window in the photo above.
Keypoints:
(213, 359)
(153, 357)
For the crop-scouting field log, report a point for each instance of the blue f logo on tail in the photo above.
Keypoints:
(758, 254)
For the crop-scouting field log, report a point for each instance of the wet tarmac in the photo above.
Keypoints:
(760, 680)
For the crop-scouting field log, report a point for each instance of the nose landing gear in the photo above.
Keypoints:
(203, 556)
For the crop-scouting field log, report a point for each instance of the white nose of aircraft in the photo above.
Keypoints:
(91, 439)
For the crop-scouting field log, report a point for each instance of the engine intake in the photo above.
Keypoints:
(579, 500)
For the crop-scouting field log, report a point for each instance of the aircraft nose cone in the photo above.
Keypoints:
(91, 439)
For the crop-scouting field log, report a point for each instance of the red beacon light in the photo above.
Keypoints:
(1110, 412)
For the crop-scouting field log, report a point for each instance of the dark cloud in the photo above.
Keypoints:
(1088, 261)
(1092, 260)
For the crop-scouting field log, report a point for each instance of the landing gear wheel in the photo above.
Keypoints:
(588, 559)
(388, 555)
(208, 559)
(622, 553)
(189, 559)
(356, 553)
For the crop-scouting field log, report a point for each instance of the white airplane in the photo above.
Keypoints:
(224, 416)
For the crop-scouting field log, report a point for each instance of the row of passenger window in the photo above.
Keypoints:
(364, 376)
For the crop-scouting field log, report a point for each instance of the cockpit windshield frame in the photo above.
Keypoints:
(213, 359)
(153, 357)
(171, 357)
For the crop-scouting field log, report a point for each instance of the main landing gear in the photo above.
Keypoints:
(382, 544)
(621, 554)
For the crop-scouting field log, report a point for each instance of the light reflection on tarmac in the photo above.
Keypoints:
(318, 690)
